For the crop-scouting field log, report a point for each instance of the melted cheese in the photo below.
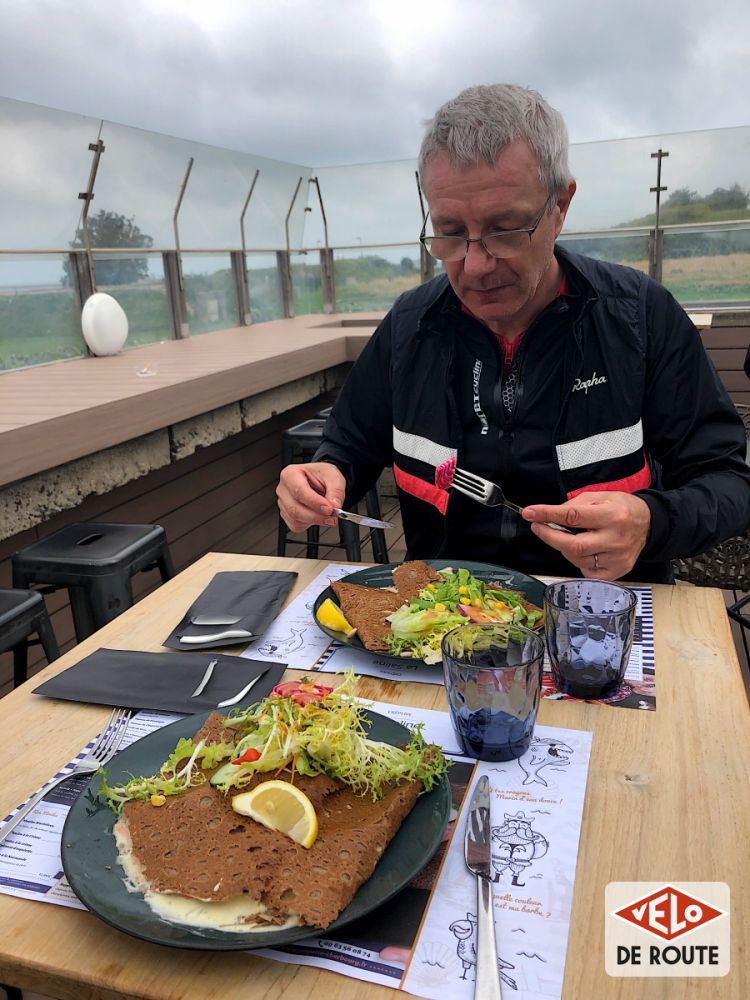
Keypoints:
(239, 914)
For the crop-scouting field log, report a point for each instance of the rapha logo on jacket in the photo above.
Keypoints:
(589, 383)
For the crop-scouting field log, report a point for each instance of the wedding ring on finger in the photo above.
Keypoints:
(596, 560)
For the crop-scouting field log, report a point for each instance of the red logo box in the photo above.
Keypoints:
(668, 913)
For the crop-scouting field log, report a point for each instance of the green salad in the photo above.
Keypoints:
(417, 629)
(305, 727)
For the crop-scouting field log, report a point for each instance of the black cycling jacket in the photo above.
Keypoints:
(614, 391)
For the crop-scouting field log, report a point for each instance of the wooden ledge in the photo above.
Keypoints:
(56, 413)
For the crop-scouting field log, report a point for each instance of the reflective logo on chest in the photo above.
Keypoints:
(585, 384)
(476, 375)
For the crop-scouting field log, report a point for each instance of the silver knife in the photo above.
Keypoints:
(241, 694)
(368, 522)
(230, 633)
(205, 679)
(478, 855)
(215, 620)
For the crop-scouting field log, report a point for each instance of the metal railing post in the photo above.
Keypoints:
(328, 280)
(284, 263)
(327, 273)
(175, 295)
(239, 265)
(80, 275)
(176, 282)
(656, 236)
(284, 269)
(87, 196)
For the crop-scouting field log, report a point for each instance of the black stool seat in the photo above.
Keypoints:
(300, 443)
(95, 562)
(23, 613)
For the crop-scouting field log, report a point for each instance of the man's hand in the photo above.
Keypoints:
(309, 493)
(613, 529)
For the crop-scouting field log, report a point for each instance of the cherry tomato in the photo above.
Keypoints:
(302, 692)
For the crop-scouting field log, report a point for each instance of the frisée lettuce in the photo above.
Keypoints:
(323, 736)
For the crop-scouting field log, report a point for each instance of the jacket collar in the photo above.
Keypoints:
(444, 302)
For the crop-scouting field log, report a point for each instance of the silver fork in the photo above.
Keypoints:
(105, 747)
(487, 493)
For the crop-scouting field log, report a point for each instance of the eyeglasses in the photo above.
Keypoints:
(503, 243)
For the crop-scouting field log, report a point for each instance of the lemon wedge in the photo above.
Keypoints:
(280, 806)
(330, 615)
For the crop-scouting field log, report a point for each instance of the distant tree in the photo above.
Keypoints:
(407, 265)
(113, 230)
(682, 196)
(733, 197)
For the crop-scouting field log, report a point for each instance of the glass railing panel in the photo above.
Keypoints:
(617, 248)
(708, 267)
(44, 165)
(140, 177)
(40, 319)
(369, 280)
(705, 175)
(367, 203)
(209, 292)
(307, 292)
(138, 284)
(264, 288)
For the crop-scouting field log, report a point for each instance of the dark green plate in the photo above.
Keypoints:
(89, 853)
(382, 576)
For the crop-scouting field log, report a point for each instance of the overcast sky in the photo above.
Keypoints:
(350, 81)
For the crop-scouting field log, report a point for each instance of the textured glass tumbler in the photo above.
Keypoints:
(493, 680)
(589, 626)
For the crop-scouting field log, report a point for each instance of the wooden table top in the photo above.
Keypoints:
(668, 798)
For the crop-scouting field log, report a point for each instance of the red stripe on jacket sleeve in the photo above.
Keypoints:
(420, 488)
(640, 480)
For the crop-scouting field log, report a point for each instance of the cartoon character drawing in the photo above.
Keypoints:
(466, 933)
(288, 644)
(515, 845)
(543, 753)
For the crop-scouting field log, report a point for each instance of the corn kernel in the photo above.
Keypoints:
(431, 586)
(466, 603)
(463, 590)
(477, 602)
(440, 607)
(500, 606)
(158, 800)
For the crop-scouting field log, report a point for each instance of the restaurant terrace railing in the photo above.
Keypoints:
(191, 238)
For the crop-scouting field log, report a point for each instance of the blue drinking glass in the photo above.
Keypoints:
(493, 680)
(589, 625)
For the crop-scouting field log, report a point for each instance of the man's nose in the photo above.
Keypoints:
(477, 260)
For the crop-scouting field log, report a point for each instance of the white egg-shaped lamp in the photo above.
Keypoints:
(104, 324)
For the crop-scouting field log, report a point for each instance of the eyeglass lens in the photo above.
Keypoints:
(500, 245)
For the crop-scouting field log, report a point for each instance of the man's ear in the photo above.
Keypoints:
(563, 204)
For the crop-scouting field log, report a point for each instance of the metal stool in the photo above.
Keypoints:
(322, 414)
(95, 562)
(22, 613)
(301, 442)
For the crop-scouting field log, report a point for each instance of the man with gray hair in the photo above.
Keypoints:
(580, 387)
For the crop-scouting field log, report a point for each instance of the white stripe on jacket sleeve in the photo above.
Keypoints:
(599, 447)
(421, 448)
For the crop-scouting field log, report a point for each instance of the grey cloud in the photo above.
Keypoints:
(329, 82)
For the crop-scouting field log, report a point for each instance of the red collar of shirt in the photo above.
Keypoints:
(509, 349)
